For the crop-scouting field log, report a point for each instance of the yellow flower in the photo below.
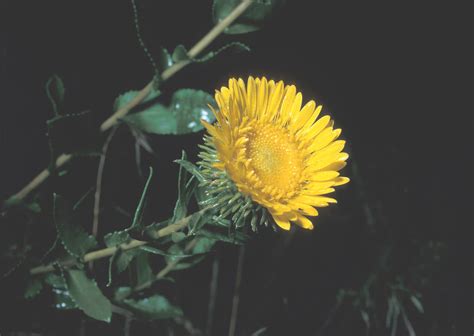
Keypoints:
(276, 152)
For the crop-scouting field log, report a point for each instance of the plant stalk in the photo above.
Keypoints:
(143, 93)
(109, 251)
(236, 298)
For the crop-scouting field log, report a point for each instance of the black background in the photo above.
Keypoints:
(395, 77)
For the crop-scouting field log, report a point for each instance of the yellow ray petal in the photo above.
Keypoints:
(275, 100)
(288, 99)
(262, 96)
(306, 209)
(341, 180)
(251, 97)
(325, 138)
(307, 112)
(282, 221)
(324, 175)
(304, 222)
(311, 132)
(296, 107)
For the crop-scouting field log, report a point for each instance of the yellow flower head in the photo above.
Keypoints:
(277, 153)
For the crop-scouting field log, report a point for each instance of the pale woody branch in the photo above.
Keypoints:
(143, 93)
(109, 251)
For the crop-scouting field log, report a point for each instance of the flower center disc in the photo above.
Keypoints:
(275, 158)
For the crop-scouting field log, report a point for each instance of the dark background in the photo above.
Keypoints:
(395, 76)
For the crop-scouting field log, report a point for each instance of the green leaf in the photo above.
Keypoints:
(176, 237)
(137, 222)
(55, 281)
(188, 262)
(144, 273)
(33, 287)
(63, 300)
(189, 107)
(55, 91)
(124, 258)
(74, 239)
(251, 20)
(165, 60)
(87, 295)
(182, 116)
(34, 207)
(125, 98)
(156, 119)
(116, 238)
(180, 54)
(121, 259)
(121, 293)
(203, 245)
(198, 220)
(154, 307)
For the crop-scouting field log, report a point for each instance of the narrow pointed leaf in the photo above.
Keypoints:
(139, 212)
(181, 205)
(191, 168)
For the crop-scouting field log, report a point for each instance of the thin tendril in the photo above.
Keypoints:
(140, 38)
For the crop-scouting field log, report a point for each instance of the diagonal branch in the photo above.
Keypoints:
(143, 93)
(109, 251)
